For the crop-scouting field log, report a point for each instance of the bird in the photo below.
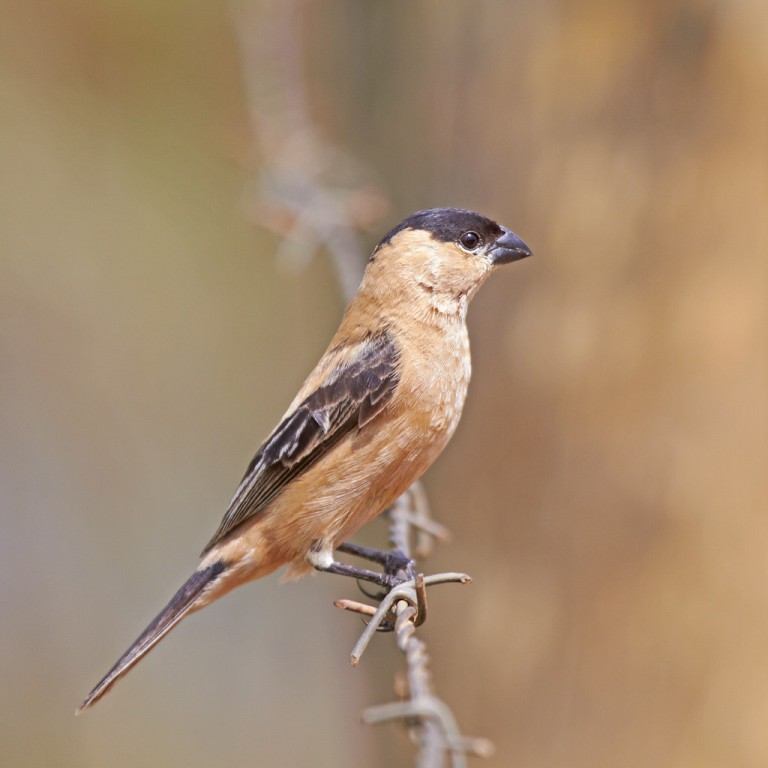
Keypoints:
(372, 416)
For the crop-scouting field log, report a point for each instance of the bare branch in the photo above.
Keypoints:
(430, 721)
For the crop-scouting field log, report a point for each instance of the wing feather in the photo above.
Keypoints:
(350, 397)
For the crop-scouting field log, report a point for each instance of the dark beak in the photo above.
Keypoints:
(509, 247)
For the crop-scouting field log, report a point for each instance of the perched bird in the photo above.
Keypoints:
(375, 412)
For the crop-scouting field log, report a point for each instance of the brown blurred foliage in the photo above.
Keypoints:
(609, 483)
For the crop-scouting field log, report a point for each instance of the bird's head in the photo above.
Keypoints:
(445, 253)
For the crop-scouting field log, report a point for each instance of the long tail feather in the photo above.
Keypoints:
(179, 606)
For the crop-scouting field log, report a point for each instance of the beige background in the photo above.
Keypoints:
(607, 488)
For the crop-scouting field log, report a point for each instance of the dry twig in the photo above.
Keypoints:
(430, 721)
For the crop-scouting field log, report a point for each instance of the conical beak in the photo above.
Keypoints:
(509, 247)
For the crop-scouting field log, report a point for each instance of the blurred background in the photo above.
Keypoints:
(174, 178)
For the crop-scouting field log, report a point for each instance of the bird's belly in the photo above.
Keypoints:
(359, 478)
(365, 472)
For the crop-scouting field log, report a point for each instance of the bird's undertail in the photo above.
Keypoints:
(182, 603)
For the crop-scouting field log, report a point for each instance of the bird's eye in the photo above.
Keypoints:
(470, 240)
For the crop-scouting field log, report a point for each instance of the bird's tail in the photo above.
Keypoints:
(182, 603)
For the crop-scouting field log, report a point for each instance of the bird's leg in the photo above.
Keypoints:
(322, 560)
(393, 562)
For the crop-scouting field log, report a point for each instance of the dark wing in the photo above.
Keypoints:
(351, 396)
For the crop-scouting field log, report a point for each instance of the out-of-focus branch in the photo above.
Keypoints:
(312, 193)
(315, 196)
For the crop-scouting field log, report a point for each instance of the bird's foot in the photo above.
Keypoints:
(397, 566)
(322, 559)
